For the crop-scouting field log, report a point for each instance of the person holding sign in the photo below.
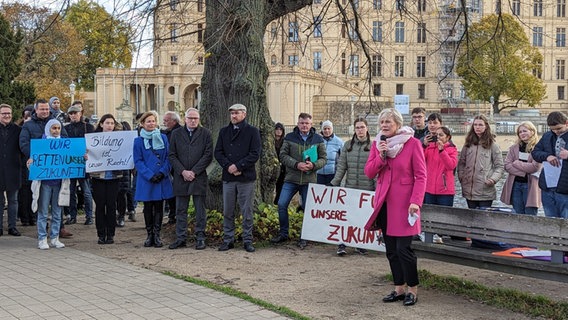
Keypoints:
(49, 193)
(397, 162)
(351, 165)
(153, 183)
(521, 187)
(303, 153)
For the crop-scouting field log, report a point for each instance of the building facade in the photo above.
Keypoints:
(339, 63)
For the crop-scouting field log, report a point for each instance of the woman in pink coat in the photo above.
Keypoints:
(521, 187)
(397, 162)
(441, 161)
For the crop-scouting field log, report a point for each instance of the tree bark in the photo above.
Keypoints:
(236, 72)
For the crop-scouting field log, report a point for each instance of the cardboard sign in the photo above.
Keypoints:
(338, 215)
(57, 158)
(109, 151)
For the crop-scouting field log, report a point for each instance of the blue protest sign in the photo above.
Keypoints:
(57, 158)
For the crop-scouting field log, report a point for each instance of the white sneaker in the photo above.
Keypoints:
(56, 243)
(437, 239)
(42, 244)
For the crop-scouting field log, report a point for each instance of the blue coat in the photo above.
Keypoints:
(149, 162)
(546, 147)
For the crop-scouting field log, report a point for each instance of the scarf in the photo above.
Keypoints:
(46, 130)
(396, 142)
(155, 136)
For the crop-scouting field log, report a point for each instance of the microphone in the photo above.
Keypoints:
(384, 153)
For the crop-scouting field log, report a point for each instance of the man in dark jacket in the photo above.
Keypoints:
(172, 122)
(300, 169)
(191, 152)
(237, 151)
(34, 129)
(77, 128)
(10, 168)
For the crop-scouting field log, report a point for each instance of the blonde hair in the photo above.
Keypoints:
(391, 113)
(532, 140)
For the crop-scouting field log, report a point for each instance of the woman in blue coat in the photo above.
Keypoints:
(153, 183)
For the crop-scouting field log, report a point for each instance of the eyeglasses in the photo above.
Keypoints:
(6, 113)
(191, 118)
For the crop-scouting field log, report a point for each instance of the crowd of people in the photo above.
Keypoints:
(406, 166)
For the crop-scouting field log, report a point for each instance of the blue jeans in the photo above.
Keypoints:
(86, 187)
(555, 204)
(243, 193)
(289, 189)
(439, 199)
(48, 195)
(519, 196)
(12, 208)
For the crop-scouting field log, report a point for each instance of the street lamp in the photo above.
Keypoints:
(492, 101)
(351, 125)
(72, 91)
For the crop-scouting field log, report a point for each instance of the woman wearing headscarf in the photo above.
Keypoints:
(153, 183)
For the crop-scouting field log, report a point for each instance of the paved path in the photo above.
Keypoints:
(70, 284)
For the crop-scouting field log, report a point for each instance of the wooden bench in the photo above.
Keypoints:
(520, 230)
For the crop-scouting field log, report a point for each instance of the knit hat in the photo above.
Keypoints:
(51, 101)
(327, 123)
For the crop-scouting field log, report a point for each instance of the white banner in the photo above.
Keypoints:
(110, 150)
(338, 215)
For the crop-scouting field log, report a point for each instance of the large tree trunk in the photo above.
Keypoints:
(236, 72)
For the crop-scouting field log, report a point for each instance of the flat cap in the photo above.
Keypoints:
(238, 107)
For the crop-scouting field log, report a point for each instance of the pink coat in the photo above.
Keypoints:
(515, 167)
(440, 167)
(400, 182)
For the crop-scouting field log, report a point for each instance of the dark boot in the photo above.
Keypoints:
(150, 239)
(149, 221)
(158, 216)
(120, 220)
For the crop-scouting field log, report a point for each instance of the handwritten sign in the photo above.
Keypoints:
(57, 158)
(110, 150)
(338, 215)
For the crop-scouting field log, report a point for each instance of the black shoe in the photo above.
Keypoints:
(71, 221)
(177, 244)
(120, 222)
(14, 232)
(88, 221)
(25, 223)
(410, 299)
(132, 216)
(101, 240)
(361, 251)
(149, 241)
(393, 297)
(170, 222)
(279, 239)
(248, 247)
(200, 245)
(302, 244)
(226, 246)
(32, 223)
(109, 240)
(341, 250)
(157, 242)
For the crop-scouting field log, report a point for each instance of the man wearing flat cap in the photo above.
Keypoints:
(237, 151)
(77, 128)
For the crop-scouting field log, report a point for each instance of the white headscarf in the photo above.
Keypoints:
(48, 126)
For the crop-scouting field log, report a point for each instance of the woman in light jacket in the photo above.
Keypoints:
(441, 161)
(521, 187)
(480, 165)
(397, 162)
(153, 184)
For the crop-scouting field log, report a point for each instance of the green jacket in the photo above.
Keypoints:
(292, 153)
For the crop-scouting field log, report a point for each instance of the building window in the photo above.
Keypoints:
(343, 63)
(560, 37)
(399, 88)
(378, 31)
(400, 5)
(561, 8)
(199, 5)
(200, 32)
(560, 69)
(173, 60)
(537, 8)
(516, 7)
(421, 5)
(354, 65)
(200, 60)
(377, 65)
(173, 32)
(421, 66)
(293, 60)
(377, 4)
(399, 66)
(352, 30)
(377, 89)
(537, 36)
(561, 92)
(293, 31)
(273, 60)
(421, 32)
(537, 71)
(421, 91)
(317, 27)
(317, 60)
(399, 32)
(174, 4)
